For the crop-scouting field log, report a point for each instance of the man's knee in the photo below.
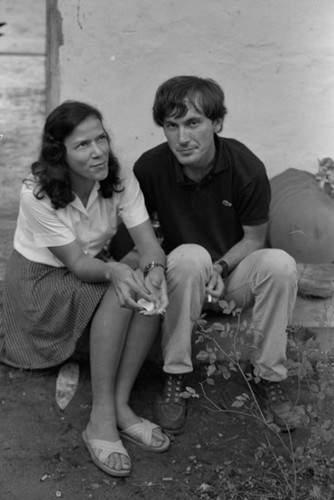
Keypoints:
(279, 264)
(189, 259)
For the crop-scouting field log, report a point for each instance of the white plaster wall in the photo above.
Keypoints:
(273, 58)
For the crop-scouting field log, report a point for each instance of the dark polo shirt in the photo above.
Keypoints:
(211, 212)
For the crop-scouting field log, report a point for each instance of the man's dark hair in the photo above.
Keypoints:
(51, 170)
(204, 94)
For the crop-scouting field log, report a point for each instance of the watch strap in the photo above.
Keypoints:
(151, 266)
(225, 268)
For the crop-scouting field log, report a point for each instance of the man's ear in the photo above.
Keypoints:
(217, 125)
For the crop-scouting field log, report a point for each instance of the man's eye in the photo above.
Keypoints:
(194, 123)
(102, 137)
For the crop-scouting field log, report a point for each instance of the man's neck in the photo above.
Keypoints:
(196, 174)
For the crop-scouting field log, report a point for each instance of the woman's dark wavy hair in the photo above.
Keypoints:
(170, 98)
(51, 170)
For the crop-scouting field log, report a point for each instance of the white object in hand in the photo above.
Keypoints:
(148, 306)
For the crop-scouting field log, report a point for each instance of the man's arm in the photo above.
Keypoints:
(253, 239)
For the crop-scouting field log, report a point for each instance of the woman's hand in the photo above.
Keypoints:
(155, 282)
(127, 284)
(215, 286)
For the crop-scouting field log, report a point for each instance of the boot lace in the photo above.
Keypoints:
(173, 388)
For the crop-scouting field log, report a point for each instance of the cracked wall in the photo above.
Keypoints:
(275, 61)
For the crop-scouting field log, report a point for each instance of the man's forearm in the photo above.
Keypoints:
(237, 253)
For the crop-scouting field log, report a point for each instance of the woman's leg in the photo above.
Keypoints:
(141, 334)
(119, 342)
(107, 336)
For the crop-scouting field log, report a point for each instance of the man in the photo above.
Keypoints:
(212, 196)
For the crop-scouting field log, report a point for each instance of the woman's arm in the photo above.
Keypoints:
(147, 245)
(150, 252)
(126, 282)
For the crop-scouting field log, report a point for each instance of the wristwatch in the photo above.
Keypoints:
(225, 268)
(151, 266)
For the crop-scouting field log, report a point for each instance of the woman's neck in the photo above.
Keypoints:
(83, 191)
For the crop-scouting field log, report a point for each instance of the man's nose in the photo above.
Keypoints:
(183, 135)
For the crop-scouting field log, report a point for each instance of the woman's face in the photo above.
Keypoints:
(87, 151)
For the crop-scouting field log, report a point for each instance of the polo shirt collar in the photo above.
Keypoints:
(220, 163)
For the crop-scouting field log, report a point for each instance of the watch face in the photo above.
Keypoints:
(150, 266)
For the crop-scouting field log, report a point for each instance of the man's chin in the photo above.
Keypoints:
(185, 159)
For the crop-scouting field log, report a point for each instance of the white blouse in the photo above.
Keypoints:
(40, 226)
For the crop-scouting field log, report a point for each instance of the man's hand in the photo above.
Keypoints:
(215, 286)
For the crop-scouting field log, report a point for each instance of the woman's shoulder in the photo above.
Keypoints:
(29, 183)
(126, 175)
(30, 194)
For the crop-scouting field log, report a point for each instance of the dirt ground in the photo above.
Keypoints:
(43, 456)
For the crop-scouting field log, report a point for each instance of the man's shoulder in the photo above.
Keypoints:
(158, 153)
(239, 150)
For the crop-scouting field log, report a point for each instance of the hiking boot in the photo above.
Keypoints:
(171, 406)
(236, 398)
(276, 404)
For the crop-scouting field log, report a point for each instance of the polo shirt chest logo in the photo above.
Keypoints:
(227, 203)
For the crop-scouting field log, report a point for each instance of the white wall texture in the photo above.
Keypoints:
(273, 58)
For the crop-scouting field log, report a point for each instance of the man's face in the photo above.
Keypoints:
(191, 137)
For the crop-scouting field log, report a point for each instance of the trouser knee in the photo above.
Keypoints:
(189, 260)
(279, 264)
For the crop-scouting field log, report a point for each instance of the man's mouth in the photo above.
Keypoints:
(185, 150)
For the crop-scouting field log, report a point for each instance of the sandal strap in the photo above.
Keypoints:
(103, 449)
(142, 431)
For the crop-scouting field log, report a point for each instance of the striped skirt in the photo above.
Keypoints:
(45, 311)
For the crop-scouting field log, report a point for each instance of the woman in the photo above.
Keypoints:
(57, 281)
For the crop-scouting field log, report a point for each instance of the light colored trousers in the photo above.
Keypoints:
(265, 280)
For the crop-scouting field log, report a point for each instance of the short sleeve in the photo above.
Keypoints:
(43, 221)
(132, 209)
(254, 201)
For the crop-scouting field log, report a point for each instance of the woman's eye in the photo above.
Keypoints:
(82, 144)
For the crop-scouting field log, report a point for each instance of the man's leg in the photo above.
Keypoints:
(188, 270)
(267, 280)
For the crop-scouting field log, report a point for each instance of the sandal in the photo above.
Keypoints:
(100, 450)
(141, 434)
